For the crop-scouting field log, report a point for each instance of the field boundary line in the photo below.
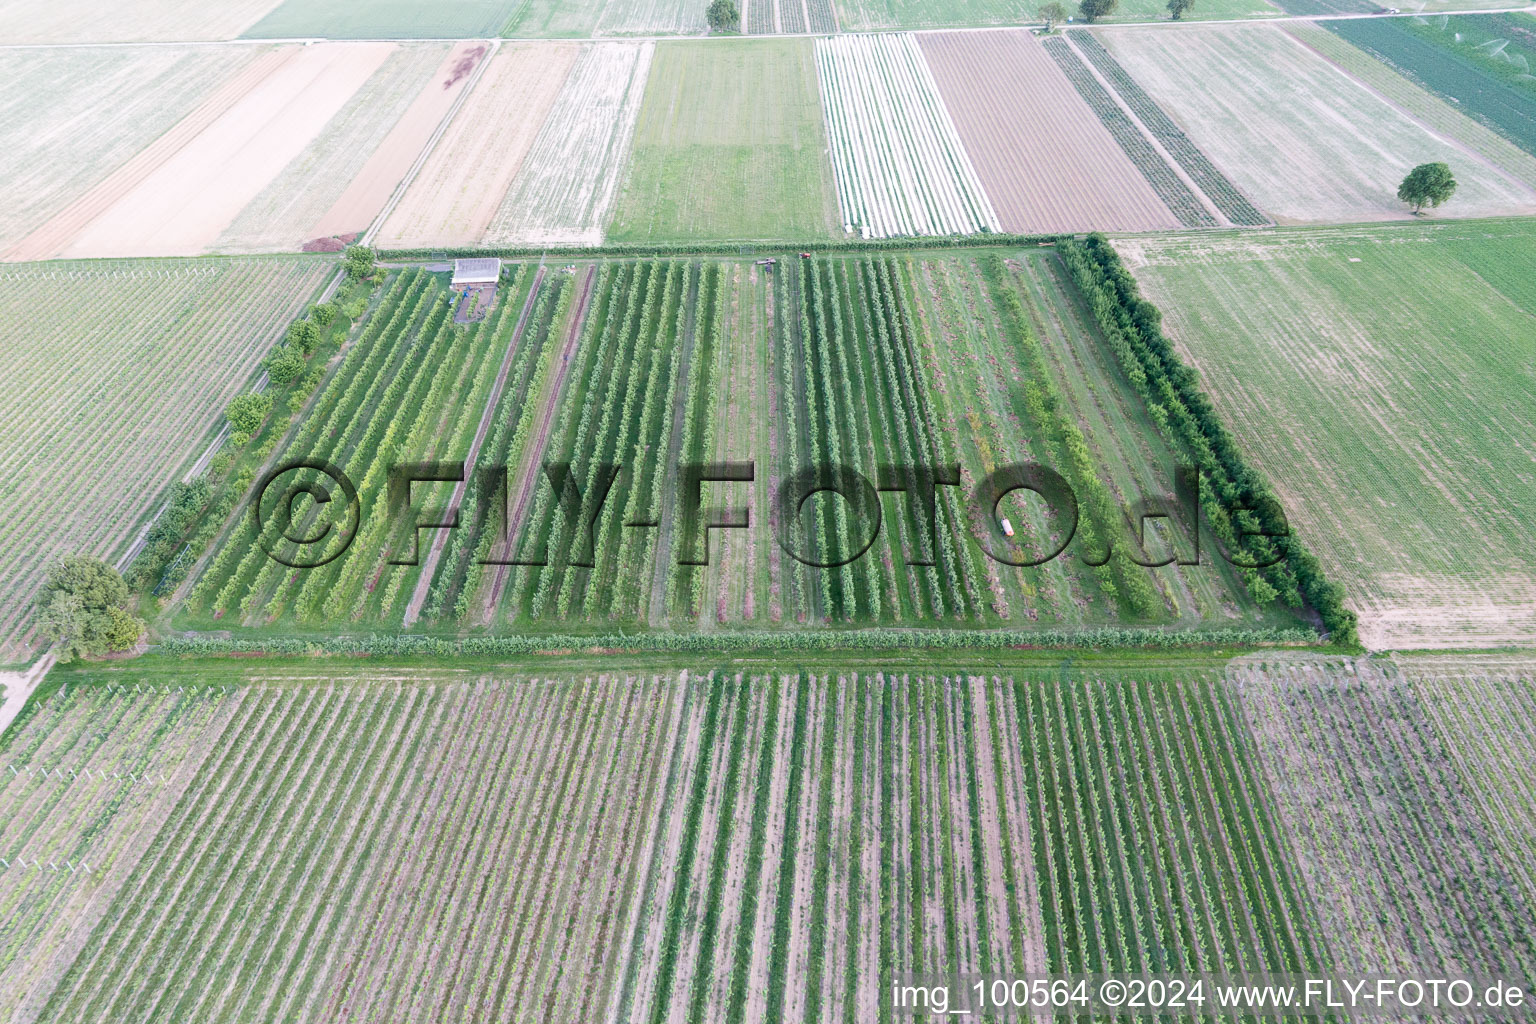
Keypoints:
(424, 581)
(405, 183)
(1408, 115)
(1021, 26)
(1222, 219)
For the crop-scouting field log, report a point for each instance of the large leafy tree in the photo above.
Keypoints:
(723, 16)
(1052, 14)
(1093, 10)
(83, 609)
(1176, 8)
(1427, 185)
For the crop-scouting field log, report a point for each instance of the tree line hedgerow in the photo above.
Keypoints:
(382, 645)
(1239, 504)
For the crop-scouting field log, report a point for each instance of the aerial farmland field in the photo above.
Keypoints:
(461, 186)
(384, 19)
(1380, 376)
(1481, 62)
(588, 512)
(1305, 140)
(1422, 104)
(653, 363)
(568, 180)
(1007, 98)
(100, 417)
(901, 166)
(40, 22)
(179, 195)
(106, 106)
(286, 213)
(730, 144)
(829, 828)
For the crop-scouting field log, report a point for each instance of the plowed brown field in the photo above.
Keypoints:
(1046, 161)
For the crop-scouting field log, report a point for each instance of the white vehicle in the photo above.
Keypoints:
(1007, 527)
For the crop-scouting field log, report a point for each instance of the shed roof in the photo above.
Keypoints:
(476, 270)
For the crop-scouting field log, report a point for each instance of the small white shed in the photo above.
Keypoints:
(476, 272)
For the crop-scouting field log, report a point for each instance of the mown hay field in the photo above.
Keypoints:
(916, 359)
(730, 143)
(100, 410)
(566, 186)
(1305, 140)
(303, 841)
(1381, 378)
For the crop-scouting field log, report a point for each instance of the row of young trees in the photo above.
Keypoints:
(1239, 505)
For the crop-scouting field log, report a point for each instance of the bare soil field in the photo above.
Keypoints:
(1046, 161)
(70, 117)
(146, 21)
(184, 205)
(1300, 135)
(367, 193)
(283, 215)
(457, 192)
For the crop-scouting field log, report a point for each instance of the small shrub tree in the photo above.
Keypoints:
(359, 261)
(82, 607)
(1052, 14)
(304, 336)
(247, 411)
(323, 313)
(1427, 184)
(1093, 10)
(1176, 8)
(723, 16)
(284, 365)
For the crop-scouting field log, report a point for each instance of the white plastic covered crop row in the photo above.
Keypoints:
(900, 166)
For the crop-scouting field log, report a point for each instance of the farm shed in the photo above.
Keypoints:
(472, 273)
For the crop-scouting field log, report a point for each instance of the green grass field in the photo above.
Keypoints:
(1382, 378)
(730, 144)
(385, 19)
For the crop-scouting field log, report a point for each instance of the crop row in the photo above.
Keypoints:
(101, 414)
(823, 17)
(1431, 882)
(90, 776)
(1231, 202)
(412, 387)
(1170, 188)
